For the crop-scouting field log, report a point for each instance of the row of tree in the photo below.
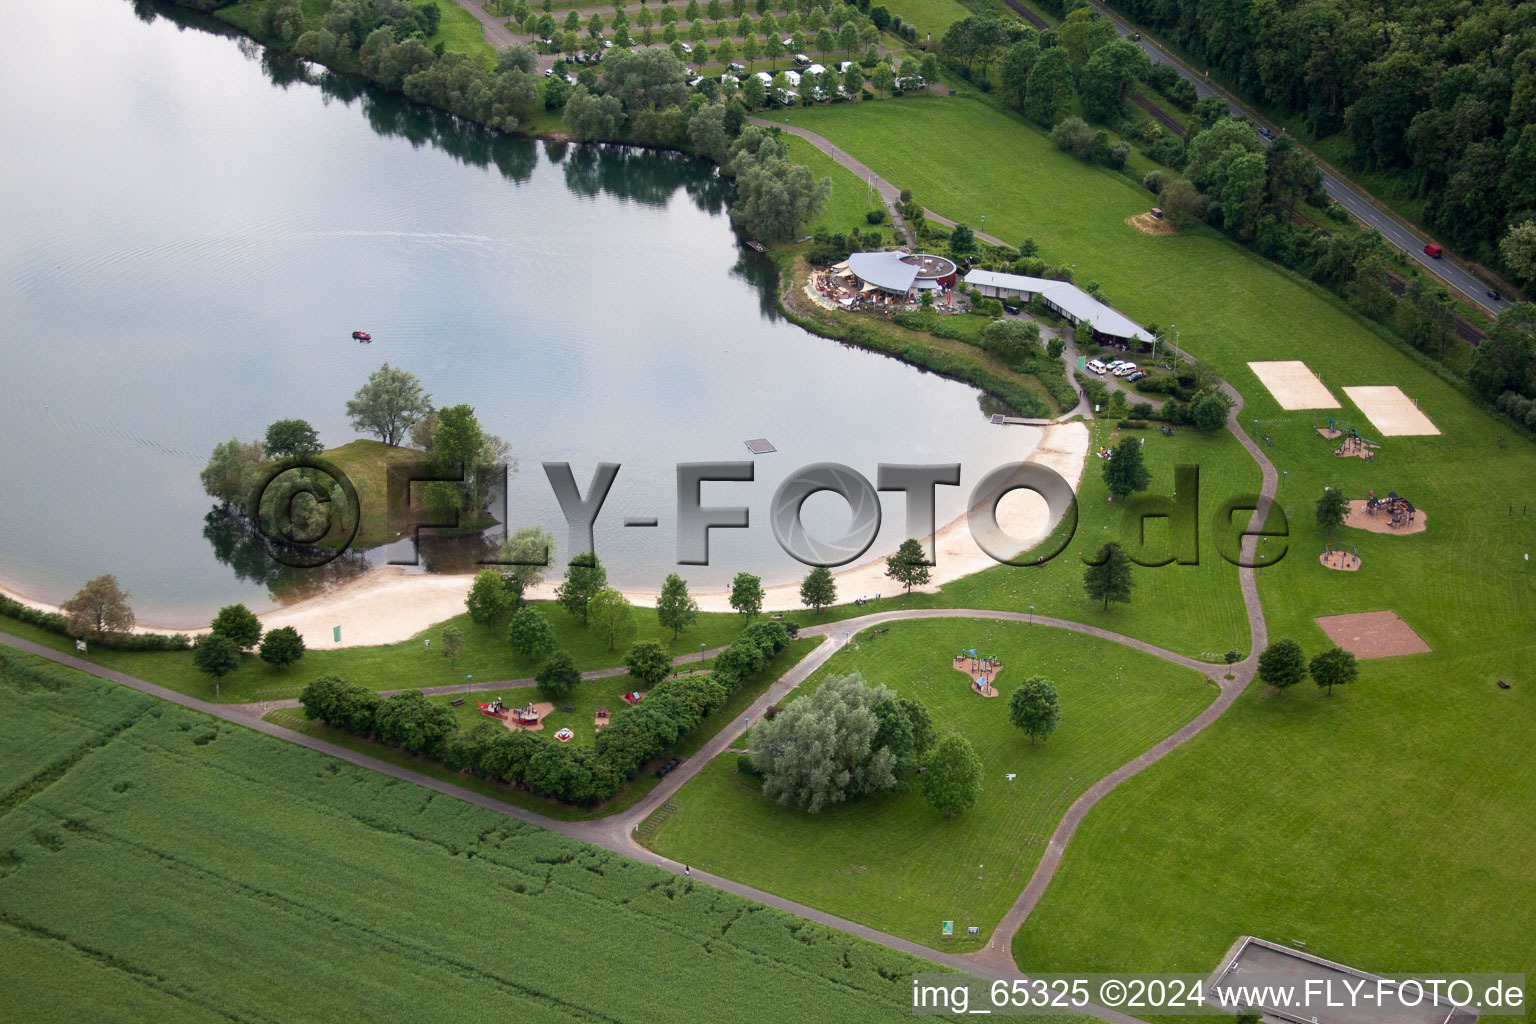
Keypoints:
(580, 775)
(234, 632)
(1442, 98)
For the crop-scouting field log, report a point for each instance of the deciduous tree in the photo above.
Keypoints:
(1282, 664)
(584, 577)
(239, 625)
(1034, 707)
(909, 565)
(818, 589)
(282, 646)
(648, 662)
(951, 780)
(612, 616)
(1110, 577)
(388, 404)
(557, 677)
(98, 608)
(530, 635)
(747, 595)
(675, 609)
(1125, 472)
(1333, 667)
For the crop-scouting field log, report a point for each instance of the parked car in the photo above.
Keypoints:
(1138, 375)
(1094, 366)
(687, 47)
(1114, 365)
(1434, 250)
(1125, 369)
(737, 67)
(802, 60)
(1010, 309)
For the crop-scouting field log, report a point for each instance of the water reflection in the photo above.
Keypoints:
(237, 544)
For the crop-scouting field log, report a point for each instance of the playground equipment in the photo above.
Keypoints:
(494, 709)
(1400, 510)
(1356, 446)
(1338, 558)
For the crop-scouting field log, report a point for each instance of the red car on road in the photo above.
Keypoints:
(1434, 250)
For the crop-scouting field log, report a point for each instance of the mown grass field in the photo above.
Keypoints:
(591, 695)
(851, 199)
(893, 862)
(165, 866)
(1377, 825)
(929, 17)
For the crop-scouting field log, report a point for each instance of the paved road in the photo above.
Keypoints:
(1356, 200)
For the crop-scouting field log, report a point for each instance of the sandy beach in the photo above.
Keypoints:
(391, 604)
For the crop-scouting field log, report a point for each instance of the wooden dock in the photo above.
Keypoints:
(756, 246)
(998, 419)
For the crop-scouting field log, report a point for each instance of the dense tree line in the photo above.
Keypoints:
(1443, 95)
(580, 775)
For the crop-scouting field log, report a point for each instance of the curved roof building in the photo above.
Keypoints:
(902, 273)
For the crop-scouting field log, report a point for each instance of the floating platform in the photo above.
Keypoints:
(760, 446)
(999, 420)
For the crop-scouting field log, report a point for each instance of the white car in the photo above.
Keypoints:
(1125, 369)
(1113, 366)
(1095, 366)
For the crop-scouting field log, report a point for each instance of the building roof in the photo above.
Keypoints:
(883, 270)
(1068, 298)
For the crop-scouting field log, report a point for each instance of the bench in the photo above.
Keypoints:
(456, 701)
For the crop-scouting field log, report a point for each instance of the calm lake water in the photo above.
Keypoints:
(192, 229)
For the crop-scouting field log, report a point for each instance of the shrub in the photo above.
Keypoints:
(875, 216)
(53, 622)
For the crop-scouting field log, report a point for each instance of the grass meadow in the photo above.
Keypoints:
(165, 866)
(894, 863)
(1382, 826)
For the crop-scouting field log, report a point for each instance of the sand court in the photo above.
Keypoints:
(1293, 385)
(1372, 634)
(1390, 411)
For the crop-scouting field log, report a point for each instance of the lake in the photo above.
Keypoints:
(193, 229)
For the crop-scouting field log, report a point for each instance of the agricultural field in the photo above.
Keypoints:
(168, 866)
(893, 862)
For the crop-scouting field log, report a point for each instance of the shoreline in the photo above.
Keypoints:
(389, 605)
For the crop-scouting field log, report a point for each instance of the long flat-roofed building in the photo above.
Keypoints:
(1065, 299)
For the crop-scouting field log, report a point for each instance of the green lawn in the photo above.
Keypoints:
(851, 198)
(929, 17)
(395, 666)
(166, 866)
(458, 30)
(894, 863)
(1402, 798)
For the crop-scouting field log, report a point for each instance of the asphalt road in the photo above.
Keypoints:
(1347, 196)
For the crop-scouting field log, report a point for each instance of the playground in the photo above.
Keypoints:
(1391, 514)
(1372, 634)
(981, 670)
(1338, 558)
(1293, 385)
(1393, 413)
(529, 718)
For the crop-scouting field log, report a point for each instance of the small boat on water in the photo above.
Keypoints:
(361, 336)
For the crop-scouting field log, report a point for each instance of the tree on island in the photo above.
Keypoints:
(909, 565)
(951, 779)
(1110, 578)
(452, 640)
(1125, 472)
(292, 439)
(648, 662)
(1332, 668)
(215, 655)
(98, 608)
(489, 600)
(1282, 664)
(612, 617)
(239, 624)
(818, 589)
(389, 404)
(530, 635)
(675, 609)
(1034, 708)
(1332, 510)
(747, 595)
(1232, 657)
(230, 471)
(584, 577)
(557, 677)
